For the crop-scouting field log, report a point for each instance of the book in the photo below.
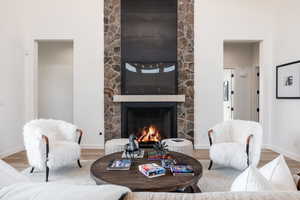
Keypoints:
(152, 170)
(182, 170)
(123, 164)
(167, 163)
(155, 156)
(138, 154)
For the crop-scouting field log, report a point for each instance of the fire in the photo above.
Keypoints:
(149, 134)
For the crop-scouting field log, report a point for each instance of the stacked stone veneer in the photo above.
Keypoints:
(112, 68)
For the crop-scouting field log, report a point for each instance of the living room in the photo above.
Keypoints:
(102, 44)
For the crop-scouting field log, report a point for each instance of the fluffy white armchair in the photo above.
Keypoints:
(51, 144)
(235, 143)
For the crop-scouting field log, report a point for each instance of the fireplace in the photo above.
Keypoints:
(148, 53)
(150, 122)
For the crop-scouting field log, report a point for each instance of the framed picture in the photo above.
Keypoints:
(288, 81)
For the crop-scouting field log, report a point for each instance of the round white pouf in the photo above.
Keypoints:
(180, 145)
(115, 145)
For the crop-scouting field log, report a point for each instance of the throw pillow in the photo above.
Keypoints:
(250, 180)
(279, 175)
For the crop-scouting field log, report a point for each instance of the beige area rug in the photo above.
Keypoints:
(215, 180)
(218, 179)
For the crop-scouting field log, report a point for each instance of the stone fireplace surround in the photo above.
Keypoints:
(112, 75)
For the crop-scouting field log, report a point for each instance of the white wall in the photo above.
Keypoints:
(81, 21)
(11, 77)
(55, 80)
(285, 136)
(216, 21)
(238, 54)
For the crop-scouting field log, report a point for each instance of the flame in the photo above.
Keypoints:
(149, 134)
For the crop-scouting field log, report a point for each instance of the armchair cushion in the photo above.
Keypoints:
(229, 154)
(63, 153)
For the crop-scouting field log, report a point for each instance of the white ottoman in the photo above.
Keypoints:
(180, 145)
(115, 145)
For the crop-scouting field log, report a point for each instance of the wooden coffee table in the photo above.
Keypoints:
(136, 181)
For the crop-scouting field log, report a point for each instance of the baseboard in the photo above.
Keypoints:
(283, 152)
(92, 146)
(11, 151)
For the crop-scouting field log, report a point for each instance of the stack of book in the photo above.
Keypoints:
(182, 170)
(137, 154)
(156, 156)
(123, 164)
(152, 170)
(168, 163)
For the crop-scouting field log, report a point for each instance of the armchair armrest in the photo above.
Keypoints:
(248, 146)
(298, 183)
(210, 131)
(80, 135)
(46, 139)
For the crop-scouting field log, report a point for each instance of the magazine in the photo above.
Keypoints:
(182, 170)
(152, 170)
(123, 164)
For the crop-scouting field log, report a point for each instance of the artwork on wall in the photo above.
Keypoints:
(288, 81)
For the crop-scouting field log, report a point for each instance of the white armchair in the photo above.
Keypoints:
(51, 144)
(235, 143)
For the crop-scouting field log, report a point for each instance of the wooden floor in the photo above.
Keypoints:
(19, 160)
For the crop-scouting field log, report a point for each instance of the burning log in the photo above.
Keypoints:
(149, 134)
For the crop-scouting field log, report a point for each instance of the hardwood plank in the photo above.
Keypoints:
(19, 160)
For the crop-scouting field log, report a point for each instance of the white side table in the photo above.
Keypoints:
(180, 145)
(115, 145)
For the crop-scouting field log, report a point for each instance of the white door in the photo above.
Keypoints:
(256, 92)
(228, 94)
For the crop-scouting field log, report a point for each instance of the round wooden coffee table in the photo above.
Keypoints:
(136, 181)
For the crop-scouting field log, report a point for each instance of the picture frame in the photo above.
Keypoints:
(288, 80)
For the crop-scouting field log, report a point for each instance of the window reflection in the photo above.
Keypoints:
(169, 69)
(150, 71)
(130, 67)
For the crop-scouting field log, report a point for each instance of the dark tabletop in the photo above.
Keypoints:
(136, 181)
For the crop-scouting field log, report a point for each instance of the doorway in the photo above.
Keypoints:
(55, 80)
(241, 80)
(228, 87)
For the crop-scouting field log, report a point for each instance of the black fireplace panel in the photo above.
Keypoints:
(136, 116)
(149, 30)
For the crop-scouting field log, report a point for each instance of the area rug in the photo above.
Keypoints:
(216, 180)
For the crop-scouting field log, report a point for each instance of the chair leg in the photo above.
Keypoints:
(47, 173)
(32, 169)
(210, 165)
(79, 164)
